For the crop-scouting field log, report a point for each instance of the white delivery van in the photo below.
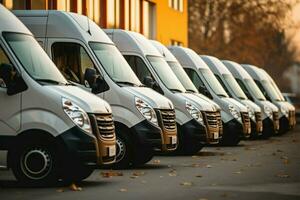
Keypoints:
(234, 91)
(49, 129)
(212, 118)
(235, 116)
(151, 68)
(266, 87)
(292, 109)
(270, 125)
(144, 119)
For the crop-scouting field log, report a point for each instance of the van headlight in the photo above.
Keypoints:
(284, 111)
(77, 115)
(268, 111)
(236, 114)
(194, 112)
(251, 113)
(146, 110)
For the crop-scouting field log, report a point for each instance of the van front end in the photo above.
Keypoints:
(256, 125)
(214, 129)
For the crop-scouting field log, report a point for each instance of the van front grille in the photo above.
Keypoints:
(220, 124)
(105, 125)
(211, 119)
(246, 122)
(168, 119)
(212, 123)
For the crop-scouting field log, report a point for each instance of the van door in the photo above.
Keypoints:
(10, 107)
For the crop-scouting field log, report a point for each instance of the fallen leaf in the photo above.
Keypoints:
(208, 166)
(237, 172)
(156, 161)
(172, 173)
(111, 173)
(283, 175)
(234, 159)
(224, 195)
(278, 150)
(195, 156)
(74, 187)
(138, 173)
(274, 154)
(199, 176)
(123, 190)
(186, 184)
(286, 161)
(60, 190)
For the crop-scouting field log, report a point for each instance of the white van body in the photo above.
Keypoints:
(137, 49)
(233, 89)
(234, 115)
(269, 91)
(190, 88)
(131, 103)
(270, 126)
(49, 121)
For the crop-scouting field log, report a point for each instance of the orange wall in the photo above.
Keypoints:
(171, 24)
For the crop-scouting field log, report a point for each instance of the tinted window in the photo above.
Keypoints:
(194, 77)
(3, 60)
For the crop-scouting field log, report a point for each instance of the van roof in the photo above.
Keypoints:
(164, 51)
(215, 64)
(236, 69)
(128, 41)
(188, 57)
(10, 23)
(60, 24)
(255, 72)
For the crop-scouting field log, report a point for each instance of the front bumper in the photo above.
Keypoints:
(269, 128)
(292, 119)
(147, 134)
(79, 147)
(256, 129)
(284, 125)
(233, 129)
(192, 132)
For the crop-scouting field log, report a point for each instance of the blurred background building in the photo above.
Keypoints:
(163, 20)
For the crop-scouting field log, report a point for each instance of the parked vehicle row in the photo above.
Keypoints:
(75, 98)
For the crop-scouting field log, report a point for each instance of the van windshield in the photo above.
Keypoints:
(268, 87)
(277, 90)
(251, 86)
(114, 64)
(165, 74)
(213, 83)
(235, 88)
(183, 77)
(34, 59)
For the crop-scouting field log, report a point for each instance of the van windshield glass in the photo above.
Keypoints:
(183, 77)
(213, 83)
(235, 88)
(165, 74)
(34, 59)
(114, 64)
(270, 90)
(255, 89)
(277, 90)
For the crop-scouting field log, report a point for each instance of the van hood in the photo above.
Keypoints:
(240, 107)
(202, 104)
(217, 107)
(271, 105)
(251, 105)
(89, 102)
(152, 97)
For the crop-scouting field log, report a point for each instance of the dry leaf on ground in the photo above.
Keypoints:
(109, 174)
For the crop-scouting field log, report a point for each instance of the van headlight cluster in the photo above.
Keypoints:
(251, 113)
(268, 111)
(77, 115)
(146, 110)
(284, 111)
(236, 114)
(194, 112)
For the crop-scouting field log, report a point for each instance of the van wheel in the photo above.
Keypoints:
(124, 152)
(35, 164)
(143, 155)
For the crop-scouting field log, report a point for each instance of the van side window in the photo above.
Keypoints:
(139, 67)
(194, 77)
(262, 89)
(3, 60)
(72, 60)
(223, 85)
(244, 88)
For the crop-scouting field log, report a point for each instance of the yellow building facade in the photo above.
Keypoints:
(162, 20)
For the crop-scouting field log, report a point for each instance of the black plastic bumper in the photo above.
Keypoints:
(78, 146)
(283, 125)
(147, 134)
(268, 129)
(233, 129)
(192, 132)
(254, 132)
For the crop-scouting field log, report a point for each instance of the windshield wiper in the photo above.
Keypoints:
(221, 95)
(126, 83)
(176, 90)
(50, 81)
(190, 91)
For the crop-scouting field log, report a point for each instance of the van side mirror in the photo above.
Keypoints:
(95, 81)
(202, 89)
(13, 80)
(149, 82)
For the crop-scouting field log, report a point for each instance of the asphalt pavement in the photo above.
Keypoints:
(265, 169)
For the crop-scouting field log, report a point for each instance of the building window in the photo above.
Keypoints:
(176, 43)
(135, 15)
(148, 19)
(113, 13)
(176, 5)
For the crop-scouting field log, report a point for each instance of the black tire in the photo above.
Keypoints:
(35, 163)
(124, 151)
(142, 156)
